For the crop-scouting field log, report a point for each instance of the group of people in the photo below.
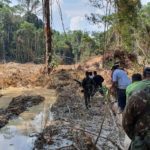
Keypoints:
(133, 97)
(134, 102)
(91, 84)
(136, 116)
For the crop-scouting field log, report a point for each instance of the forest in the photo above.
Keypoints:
(22, 34)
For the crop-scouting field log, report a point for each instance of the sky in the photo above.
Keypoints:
(73, 13)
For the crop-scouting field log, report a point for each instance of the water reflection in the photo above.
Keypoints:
(12, 139)
(19, 133)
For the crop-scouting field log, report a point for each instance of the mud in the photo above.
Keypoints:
(17, 106)
(19, 133)
(71, 116)
(73, 126)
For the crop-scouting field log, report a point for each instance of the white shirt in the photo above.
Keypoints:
(121, 77)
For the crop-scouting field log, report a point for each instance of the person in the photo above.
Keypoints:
(98, 79)
(88, 85)
(120, 81)
(136, 117)
(91, 75)
(135, 79)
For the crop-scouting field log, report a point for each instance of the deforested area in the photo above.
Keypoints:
(74, 75)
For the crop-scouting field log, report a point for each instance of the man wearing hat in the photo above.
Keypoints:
(120, 81)
(136, 118)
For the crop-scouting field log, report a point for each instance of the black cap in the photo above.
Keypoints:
(115, 66)
(117, 63)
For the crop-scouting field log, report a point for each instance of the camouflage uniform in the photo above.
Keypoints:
(136, 119)
(88, 86)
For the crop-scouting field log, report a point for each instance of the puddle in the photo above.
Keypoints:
(19, 134)
(59, 143)
(12, 139)
(11, 92)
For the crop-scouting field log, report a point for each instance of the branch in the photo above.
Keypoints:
(94, 134)
(100, 129)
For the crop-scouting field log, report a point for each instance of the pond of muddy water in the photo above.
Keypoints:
(19, 133)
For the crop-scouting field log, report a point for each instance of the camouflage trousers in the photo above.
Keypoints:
(141, 143)
(87, 97)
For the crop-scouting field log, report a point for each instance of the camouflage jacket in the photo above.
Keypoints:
(136, 117)
(88, 83)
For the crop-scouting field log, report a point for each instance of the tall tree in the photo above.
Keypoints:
(123, 20)
(48, 35)
(29, 5)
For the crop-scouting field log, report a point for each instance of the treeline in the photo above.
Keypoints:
(22, 39)
(22, 36)
(127, 26)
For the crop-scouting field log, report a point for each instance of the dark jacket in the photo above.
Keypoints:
(98, 79)
(88, 84)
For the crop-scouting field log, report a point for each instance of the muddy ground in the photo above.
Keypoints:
(75, 127)
(17, 106)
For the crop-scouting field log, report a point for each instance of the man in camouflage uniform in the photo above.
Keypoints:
(88, 86)
(136, 118)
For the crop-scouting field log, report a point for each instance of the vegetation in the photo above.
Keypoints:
(22, 35)
(127, 25)
(22, 38)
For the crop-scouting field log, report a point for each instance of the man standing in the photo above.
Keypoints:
(88, 86)
(132, 87)
(98, 79)
(120, 81)
(136, 118)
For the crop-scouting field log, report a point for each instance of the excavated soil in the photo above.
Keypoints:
(32, 75)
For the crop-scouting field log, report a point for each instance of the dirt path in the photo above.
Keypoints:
(75, 127)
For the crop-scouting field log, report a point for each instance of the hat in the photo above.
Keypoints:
(116, 65)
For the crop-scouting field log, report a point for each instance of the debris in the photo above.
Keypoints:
(72, 121)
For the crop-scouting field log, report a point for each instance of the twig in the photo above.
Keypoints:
(114, 143)
(100, 129)
(116, 125)
(68, 146)
(68, 108)
(94, 134)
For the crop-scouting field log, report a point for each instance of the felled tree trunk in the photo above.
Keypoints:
(48, 36)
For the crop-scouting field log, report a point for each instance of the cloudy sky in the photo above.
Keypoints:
(73, 12)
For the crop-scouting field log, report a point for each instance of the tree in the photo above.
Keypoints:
(143, 32)
(48, 36)
(32, 18)
(29, 5)
(29, 8)
(123, 21)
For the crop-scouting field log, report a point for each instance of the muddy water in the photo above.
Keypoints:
(19, 133)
